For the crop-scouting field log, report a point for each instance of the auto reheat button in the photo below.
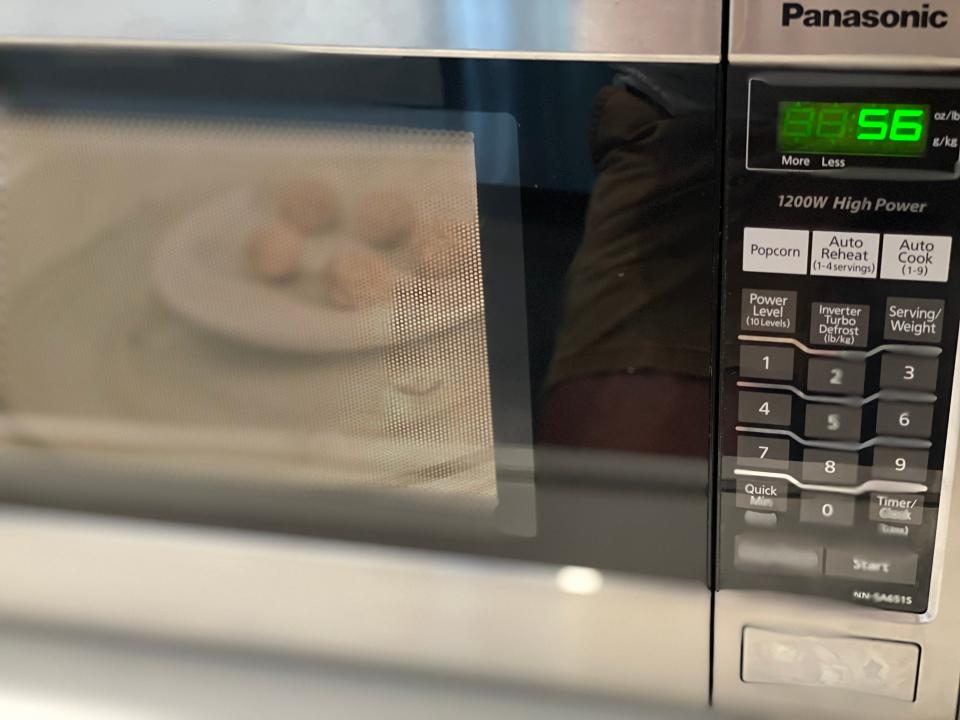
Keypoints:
(845, 663)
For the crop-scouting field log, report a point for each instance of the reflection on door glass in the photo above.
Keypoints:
(270, 304)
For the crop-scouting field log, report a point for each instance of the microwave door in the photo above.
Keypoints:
(456, 300)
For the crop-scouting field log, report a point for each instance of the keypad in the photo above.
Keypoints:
(836, 408)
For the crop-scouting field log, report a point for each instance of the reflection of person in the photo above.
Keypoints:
(631, 366)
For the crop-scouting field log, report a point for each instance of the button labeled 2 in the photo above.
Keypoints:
(835, 376)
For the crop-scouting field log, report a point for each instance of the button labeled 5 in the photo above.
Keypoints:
(834, 422)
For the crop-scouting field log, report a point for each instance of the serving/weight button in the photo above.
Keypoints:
(913, 320)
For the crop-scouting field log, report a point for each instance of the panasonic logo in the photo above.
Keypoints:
(795, 13)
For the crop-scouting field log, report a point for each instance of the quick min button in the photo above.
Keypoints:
(775, 250)
(925, 258)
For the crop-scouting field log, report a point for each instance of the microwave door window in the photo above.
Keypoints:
(249, 301)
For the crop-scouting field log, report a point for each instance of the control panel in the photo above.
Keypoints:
(839, 333)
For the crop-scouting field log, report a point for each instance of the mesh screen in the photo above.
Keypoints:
(284, 304)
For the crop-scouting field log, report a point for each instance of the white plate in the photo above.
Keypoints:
(198, 271)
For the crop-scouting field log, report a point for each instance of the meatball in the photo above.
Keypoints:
(358, 278)
(310, 206)
(386, 219)
(441, 249)
(275, 252)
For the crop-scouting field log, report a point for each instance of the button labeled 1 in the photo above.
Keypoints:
(767, 363)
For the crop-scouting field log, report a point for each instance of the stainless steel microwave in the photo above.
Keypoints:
(614, 342)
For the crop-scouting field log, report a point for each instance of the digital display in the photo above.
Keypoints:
(850, 128)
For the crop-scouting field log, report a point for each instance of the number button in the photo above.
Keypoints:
(904, 419)
(830, 467)
(835, 376)
(826, 508)
(765, 408)
(769, 363)
(909, 373)
(833, 422)
(899, 464)
(763, 452)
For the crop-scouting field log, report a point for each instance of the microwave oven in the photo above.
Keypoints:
(658, 294)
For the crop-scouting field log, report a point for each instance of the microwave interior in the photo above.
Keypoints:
(438, 302)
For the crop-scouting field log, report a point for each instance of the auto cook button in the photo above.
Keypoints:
(874, 564)
(775, 250)
(916, 257)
